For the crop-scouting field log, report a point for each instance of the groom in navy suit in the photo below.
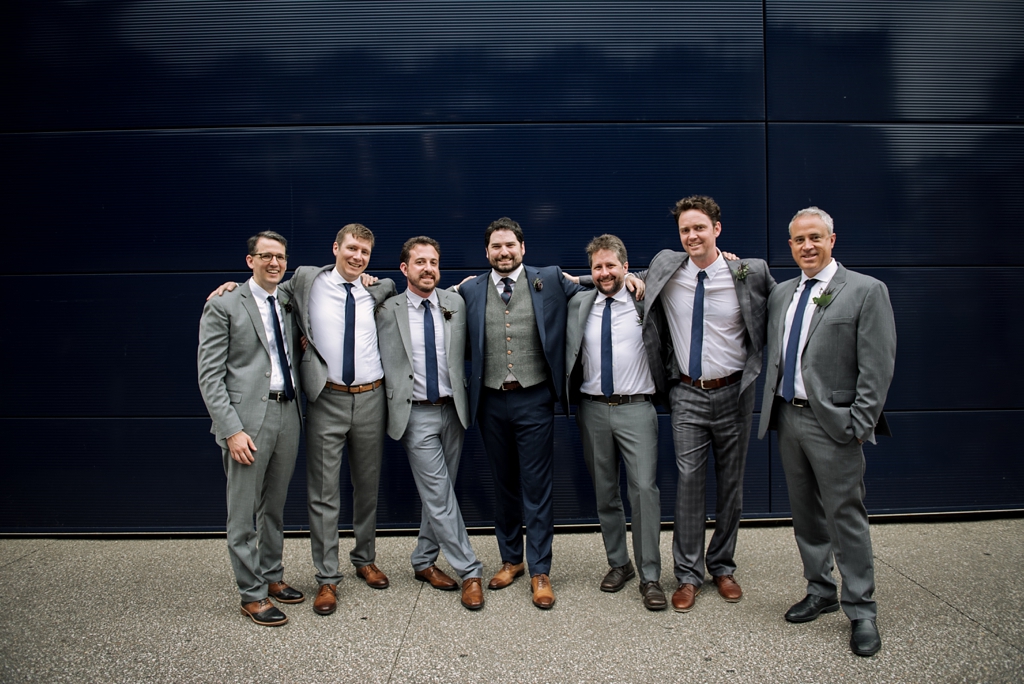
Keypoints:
(516, 326)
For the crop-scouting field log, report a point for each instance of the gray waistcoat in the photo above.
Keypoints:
(523, 351)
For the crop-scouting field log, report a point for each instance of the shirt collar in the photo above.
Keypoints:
(620, 296)
(514, 275)
(340, 281)
(417, 301)
(258, 292)
(711, 270)
(824, 276)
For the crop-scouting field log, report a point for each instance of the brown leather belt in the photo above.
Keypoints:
(274, 395)
(355, 389)
(617, 399)
(424, 402)
(514, 385)
(713, 384)
(799, 403)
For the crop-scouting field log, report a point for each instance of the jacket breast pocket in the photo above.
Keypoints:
(844, 320)
(843, 397)
(236, 397)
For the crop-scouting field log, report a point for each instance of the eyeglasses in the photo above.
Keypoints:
(265, 257)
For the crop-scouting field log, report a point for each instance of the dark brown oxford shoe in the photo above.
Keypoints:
(437, 578)
(653, 596)
(506, 575)
(326, 601)
(263, 612)
(472, 593)
(282, 593)
(373, 576)
(617, 577)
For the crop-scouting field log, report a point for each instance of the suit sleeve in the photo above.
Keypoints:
(212, 358)
(570, 288)
(876, 360)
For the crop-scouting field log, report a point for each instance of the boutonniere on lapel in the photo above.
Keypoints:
(742, 271)
(447, 313)
(288, 306)
(640, 318)
(538, 284)
(823, 300)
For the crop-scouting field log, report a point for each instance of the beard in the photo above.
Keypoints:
(505, 267)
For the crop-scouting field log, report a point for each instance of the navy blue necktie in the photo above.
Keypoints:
(433, 394)
(793, 344)
(282, 355)
(348, 366)
(607, 377)
(506, 294)
(697, 328)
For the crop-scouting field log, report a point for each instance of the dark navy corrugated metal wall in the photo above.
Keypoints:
(144, 141)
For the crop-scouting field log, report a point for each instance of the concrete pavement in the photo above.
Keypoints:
(166, 610)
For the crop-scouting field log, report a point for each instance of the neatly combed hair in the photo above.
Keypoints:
(817, 213)
(418, 240)
(356, 230)
(504, 223)
(701, 203)
(268, 234)
(609, 242)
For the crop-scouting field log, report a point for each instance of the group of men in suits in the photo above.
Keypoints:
(688, 332)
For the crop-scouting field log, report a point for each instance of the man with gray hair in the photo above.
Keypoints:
(831, 355)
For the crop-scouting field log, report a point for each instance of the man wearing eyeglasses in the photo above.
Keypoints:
(247, 348)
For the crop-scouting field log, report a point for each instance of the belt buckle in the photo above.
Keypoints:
(614, 403)
(701, 385)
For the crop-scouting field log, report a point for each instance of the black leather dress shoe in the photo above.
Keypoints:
(264, 613)
(653, 596)
(811, 607)
(285, 594)
(864, 639)
(617, 577)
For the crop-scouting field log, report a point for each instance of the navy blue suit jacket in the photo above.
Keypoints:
(550, 292)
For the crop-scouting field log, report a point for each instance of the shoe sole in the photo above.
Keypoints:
(469, 607)
(325, 612)
(620, 586)
(865, 654)
(495, 587)
(547, 607)
(656, 608)
(453, 587)
(289, 601)
(827, 609)
(263, 623)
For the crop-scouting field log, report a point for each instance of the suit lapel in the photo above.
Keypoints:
(401, 313)
(660, 276)
(249, 302)
(790, 290)
(475, 294)
(742, 293)
(442, 300)
(835, 286)
(587, 300)
(532, 274)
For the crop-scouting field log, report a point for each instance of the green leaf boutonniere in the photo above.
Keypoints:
(288, 307)
(823, 300)
(742, 271)
(538, 284)
(640, 318)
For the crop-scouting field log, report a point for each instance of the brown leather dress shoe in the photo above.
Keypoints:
(729, 588)
(373, 576)
(653, 596)
(437, 579)
(684, 597)
(505, 576)
(472, 593)
(263, 612)
(543, 594)
(282, 593)
(326, 601)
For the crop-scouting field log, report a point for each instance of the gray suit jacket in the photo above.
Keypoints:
(394, 335)
(580, 307)
(313, 368)
(234, 361)
(848, 358)
(752, 291)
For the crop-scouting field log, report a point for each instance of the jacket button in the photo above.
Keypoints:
(263, 398)
(410, 377)
(268, 374)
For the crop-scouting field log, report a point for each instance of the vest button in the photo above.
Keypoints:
(506, 312)
(509, 365)
(509, 351)
(508, 325)
(508, 339)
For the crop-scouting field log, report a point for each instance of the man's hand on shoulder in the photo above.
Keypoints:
(575, 279)
(241, 448)
(729, 256)
(635, 285)
(226, 287)
(368, 279)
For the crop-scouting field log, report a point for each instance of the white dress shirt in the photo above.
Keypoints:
(327, 299)
(631, 370)
(824, 277)
(419, 348)
(260, 295)
(724, 349)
